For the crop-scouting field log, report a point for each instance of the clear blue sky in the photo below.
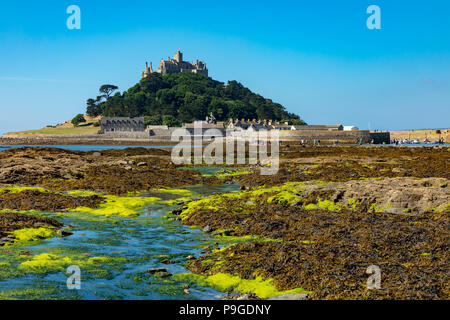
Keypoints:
(317, 58)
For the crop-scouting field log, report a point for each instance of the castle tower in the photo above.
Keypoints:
(178, 57)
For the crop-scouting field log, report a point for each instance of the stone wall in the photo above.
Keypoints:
(381, 137)
(164, 136)
(345, 137)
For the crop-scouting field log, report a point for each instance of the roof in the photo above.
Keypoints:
(110, 119)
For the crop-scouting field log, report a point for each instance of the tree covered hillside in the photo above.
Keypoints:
(184, 97)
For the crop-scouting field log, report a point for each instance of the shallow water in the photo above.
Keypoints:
(116, 147)
(145, 241)
(85, 147)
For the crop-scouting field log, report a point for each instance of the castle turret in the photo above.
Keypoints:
(178, 57)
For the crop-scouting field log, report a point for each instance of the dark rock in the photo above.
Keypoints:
(163, 274)
(156, 270)
(66, 233)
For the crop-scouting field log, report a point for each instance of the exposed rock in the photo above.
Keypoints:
(207, 229)
(156, 270)
(46, 201)
(163, 274)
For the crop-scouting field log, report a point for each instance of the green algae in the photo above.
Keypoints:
(444, 208)
(83, 193)
(285, 194)
(25, 236)
(324, 205)
(38, 292)
(226, 282)
(224, 173)
(284, 197)
(184, 192)
(329, 205)
(119, 206)
(352, 202)
(47, 262)
(176, 201)
(17, 189)
(374, 208)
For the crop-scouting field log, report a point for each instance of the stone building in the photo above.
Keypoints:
(176, 65)
(318, 127)
(122, 124)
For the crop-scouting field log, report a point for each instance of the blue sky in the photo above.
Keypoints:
(317, 58)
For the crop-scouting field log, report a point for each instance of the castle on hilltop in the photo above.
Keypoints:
(176, 65)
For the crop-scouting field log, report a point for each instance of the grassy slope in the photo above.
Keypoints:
(66, 128)
(59, 131)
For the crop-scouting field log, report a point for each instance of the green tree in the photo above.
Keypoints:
(187, 97)
(171, 121)
(93, 108)
(152, 83)
(153, 121)
(107, 90)
(79, 118)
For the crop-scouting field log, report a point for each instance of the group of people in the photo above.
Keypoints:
(405, 141)
(305, 142)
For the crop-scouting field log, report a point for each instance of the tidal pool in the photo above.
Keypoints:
(114, 254)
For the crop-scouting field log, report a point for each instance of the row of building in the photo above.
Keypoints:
(125, 124)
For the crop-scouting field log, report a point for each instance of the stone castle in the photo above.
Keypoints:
(176, 65)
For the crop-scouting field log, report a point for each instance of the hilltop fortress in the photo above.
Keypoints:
(176, 65)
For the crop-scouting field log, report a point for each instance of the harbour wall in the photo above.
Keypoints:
(165, 136)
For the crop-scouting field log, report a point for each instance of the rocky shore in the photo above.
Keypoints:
(328, 215)
(311, 230)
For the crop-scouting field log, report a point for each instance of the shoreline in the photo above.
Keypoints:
(82, 141)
